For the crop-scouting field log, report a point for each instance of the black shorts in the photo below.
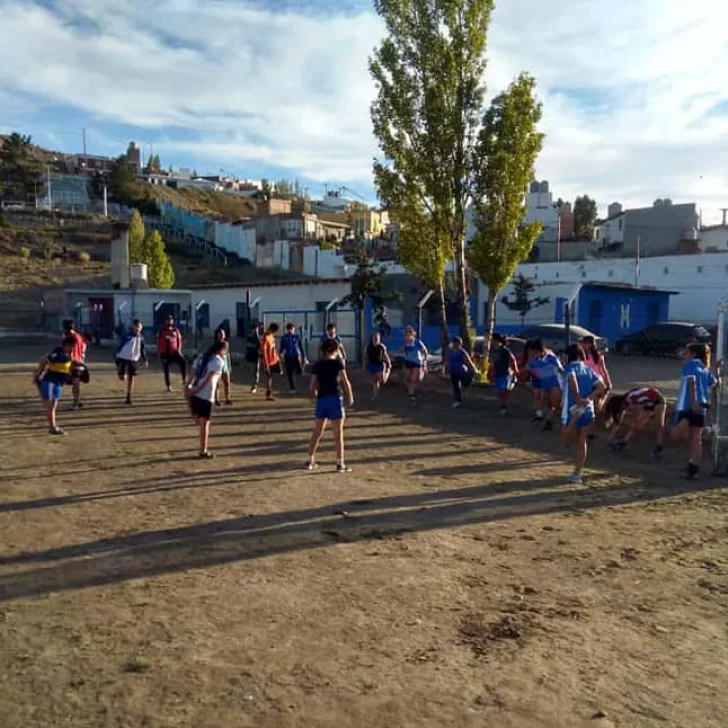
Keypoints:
(412, 365)
(694, 419)
(125, 367)
(201, 407)
(275, 368)
(293, 363)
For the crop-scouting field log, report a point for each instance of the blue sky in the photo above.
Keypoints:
(635, 101)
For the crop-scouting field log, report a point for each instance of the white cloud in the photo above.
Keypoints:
(628, 88)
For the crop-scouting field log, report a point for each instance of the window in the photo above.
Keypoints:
(557, 275)
(700, 269)
(666, 270)
(611, 274)
(620, 223)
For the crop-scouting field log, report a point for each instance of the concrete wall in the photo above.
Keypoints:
(714, 238)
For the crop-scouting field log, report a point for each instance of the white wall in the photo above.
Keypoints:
(700, 280)
(236, 239)
(716, 237)
(611, 231)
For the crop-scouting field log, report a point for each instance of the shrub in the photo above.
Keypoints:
(84, 257)
(25, 253)
(4, 222)
(48, 247)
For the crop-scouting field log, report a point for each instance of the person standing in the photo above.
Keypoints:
(169, 348)
(294, 358)
(595, 360)
(377, 363)
(202, 391)
(331, 334)
(415, 362)
(78, 358)
(328, 380)
(505, 367)
(129, 355)
(226, 378)
(50, 376)
(582, 386)
(271, 359)
(462, 370)
(253, 354)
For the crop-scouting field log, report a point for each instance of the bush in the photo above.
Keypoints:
(25, 253)
(4, 222)
(84, 257)
(48, 246)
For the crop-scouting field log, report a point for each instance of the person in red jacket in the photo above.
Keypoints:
(169, 348)
(78, 359)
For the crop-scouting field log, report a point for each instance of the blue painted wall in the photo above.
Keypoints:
(614, 313)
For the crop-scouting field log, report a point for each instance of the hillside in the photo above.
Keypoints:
(206, 202)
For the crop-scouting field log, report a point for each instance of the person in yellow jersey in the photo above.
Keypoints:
(50, 376)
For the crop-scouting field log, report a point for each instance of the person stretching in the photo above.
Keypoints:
(504, 368)
(548, 375)
(462, 370)
(169, 348)
(582, 386)
(202, 391)
(294, 359)
(50, 376)
(130, 353)
(377, 363)
(633, 410)
(79, 372)
(271, 360)
(415, 362)
(329, 378)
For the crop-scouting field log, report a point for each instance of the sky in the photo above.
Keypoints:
(635, 94)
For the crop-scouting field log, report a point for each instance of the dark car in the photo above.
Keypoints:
(666, 339)
(554, 336)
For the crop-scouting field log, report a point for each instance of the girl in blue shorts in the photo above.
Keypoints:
(378, 363)
(51, 375)
(415, 362)
(548, 373)
(582, 386)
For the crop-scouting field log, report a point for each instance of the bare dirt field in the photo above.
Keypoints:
(451, 579)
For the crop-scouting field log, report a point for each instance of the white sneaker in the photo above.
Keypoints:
(574, 479)
(455, 405)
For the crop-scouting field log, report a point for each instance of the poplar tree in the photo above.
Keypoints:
(428, 71)
(159, 267)
(508, 146)
(136, 238)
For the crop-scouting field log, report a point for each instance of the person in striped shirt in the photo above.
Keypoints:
(51, 375)
(632, 411)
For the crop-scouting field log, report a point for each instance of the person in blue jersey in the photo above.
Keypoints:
(462, 370)
(505, 368)
(328, 380)
(294, 359)
(582, 386)
(51, 375)
(415, 362)
(129, 355)
(693, 402)
(526, 374)
(377, 363)
(548, 374)
(331, 334)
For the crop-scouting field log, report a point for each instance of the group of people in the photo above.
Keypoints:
(577, 392)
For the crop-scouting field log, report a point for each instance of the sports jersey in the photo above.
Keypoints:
(457, 361)
(78, 353)
(646, 397)
(704, 380)
(291, 345)
(58, 366)
(376, 353)
(415, 352)
(547, 366)
(170, 341)
(586, 380)
(502, 362)
(132, 348)
(270, 355)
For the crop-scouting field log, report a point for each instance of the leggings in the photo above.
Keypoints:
(174, 358)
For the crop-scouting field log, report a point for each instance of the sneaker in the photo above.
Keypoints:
(228, 403)
(657, 451)
(574, 479)
(342, 468)
(618, 446)
(311, 465)
(504, 411)
(128, 400)
(207, 455)
(169, 387)
(692, 471)
(270, 398)
(56, 431)
(537, 417)
(548, 426)
(455, 405)
(253, 389)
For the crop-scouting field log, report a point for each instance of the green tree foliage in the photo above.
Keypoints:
(136, 239)
(508, 146)
(266, 189)
(159, 267)
(585, 216)
(154, 164)
(284, 188)
(523, 302)
(428, 71)
(122, 178)
(20, 170)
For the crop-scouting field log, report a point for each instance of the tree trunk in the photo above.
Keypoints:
(463, 300)
(489, 329)
(444, 333)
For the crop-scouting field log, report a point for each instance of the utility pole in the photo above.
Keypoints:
(50, 196)
(724, 210)
(85, 153)
(106, 203)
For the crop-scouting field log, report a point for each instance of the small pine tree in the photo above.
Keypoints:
(160, 271)
(136, 238)
(522, 302)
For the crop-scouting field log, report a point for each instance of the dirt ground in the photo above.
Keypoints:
(452, 579)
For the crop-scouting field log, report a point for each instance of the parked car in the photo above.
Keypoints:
(515, 344)
(554, 336)
(666, 339)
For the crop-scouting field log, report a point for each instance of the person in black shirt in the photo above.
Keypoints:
(329, 378)
(378, 364)
(253, 350)
(50, 376)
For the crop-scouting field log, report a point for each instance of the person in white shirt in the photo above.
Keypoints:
(201, 393)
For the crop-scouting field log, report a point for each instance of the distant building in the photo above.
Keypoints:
(540, 208)
(714, 239)
(662, 229)
(566, 221)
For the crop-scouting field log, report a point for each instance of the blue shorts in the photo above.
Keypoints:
(330, 408)
(503, 384)
(50, 391)
(375, 369)
(586, 418)
(549, 383)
